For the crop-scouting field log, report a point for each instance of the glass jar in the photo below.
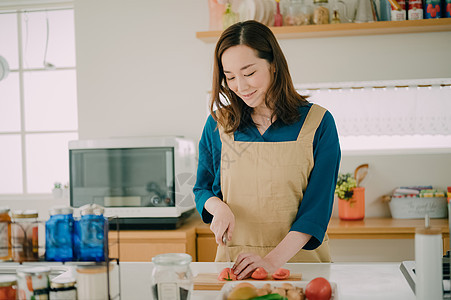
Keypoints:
(91, 234)
(63, 288)
(298, 13)
(24, 229)
(5, 234)
(8, 286)
(321, 12)
(172, 277)
(93, 282)
(33, 282)
(59, 232)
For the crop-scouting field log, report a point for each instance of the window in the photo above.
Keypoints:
(38, 101)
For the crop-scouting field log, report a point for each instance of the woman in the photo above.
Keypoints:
(268, 159)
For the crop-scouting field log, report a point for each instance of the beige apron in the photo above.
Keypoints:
(263, 184)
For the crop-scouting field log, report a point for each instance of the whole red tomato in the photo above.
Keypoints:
(318, 289)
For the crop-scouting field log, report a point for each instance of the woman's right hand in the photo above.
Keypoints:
(223, 219)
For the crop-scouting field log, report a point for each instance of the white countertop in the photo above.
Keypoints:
(355, 281)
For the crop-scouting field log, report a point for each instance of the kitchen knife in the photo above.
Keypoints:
(224, 240)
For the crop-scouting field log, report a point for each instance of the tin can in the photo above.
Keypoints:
(5, 234)
(59, 233)
(25, 239)
(398, 14)
(8, 285)
(432, 9)
(415, 11)
(33, 283)
(63, 289)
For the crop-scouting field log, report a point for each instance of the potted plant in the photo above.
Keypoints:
(351, 198)
(57, 191)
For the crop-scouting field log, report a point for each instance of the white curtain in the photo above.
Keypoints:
(389, 108)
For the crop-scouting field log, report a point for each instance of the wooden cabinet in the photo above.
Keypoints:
(347, 29)
(369, 228)
(142, 245)
(196, 238)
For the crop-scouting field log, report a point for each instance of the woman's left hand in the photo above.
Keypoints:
(246, 263)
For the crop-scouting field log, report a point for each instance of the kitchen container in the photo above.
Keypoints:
(172, 277)
(63, 288)
(33, 283)
(94, 283)
(414, 207)
(5, 234)
(91, 234)
(24, 229)
(59, 232)
(8, 286)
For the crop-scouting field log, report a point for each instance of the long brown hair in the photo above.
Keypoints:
(281, 97)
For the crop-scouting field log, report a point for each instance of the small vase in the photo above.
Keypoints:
(354, 208)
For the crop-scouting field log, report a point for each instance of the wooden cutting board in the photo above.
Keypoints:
(209, 281)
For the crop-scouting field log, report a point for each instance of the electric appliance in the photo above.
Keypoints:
(146, 182)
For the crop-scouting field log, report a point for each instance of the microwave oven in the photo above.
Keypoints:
(145, 182)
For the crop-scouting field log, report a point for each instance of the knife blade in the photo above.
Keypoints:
(224, 240)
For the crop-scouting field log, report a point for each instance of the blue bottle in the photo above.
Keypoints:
(91, 234)
(59, 230)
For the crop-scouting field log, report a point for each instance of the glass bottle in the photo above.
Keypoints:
(229, 17)
(59, 233)
(172, 277)
(5, 234)
(25, 236)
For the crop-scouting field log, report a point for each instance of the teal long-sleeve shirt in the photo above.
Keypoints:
(316, 207)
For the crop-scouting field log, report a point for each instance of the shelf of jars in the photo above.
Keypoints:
(75, 261)
(347, 29)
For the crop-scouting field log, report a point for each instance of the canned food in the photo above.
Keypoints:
(33, 283)
(63, 289)
(8, 285)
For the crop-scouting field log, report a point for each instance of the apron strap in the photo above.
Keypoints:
(311, 123)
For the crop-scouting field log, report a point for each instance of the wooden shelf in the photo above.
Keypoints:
(347, 29)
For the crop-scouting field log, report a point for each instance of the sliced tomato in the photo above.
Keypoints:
(281, 274)
(259, 274)
(227, 275)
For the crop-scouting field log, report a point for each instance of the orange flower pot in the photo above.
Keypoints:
(354, 208)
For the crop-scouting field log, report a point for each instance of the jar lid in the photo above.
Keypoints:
(23, 214)
(7, 280)
(4, 209)
(91, 209)
(170, 259)
(62, 282)
(33, 271)
(61, 210)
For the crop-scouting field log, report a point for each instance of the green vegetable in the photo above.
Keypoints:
(270, 297)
